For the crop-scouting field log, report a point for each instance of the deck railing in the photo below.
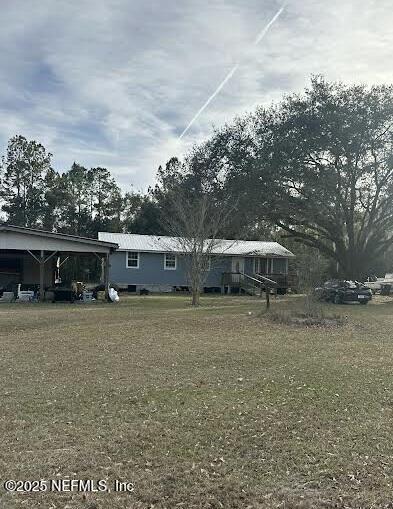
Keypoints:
(235, 278)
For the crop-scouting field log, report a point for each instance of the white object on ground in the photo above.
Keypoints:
(113, 295)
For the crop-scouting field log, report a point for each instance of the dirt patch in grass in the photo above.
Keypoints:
(300, 319)
(204, 408)
(304, 312)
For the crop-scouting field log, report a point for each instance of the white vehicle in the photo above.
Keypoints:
(375, 283)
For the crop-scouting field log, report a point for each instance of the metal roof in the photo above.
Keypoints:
(53, 235)
(163, 244)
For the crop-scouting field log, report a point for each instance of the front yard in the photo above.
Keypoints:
(211, 407)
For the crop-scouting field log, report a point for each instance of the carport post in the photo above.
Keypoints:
(42, 276)
(106, 276)
(41, 260)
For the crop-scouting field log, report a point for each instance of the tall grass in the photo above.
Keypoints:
(305, 311)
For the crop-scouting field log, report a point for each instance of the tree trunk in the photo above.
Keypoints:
(195, 297)
(354, 264)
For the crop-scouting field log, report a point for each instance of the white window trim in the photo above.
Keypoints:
(170, 268)
(128, 266)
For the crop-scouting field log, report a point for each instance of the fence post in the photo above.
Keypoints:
(267, 297)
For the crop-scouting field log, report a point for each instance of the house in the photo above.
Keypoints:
(28, 255)
(157, 264)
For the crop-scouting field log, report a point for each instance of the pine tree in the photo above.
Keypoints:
(22, 190)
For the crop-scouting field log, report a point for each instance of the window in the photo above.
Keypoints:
(207, 264)
(260, 266)
(169, 261)
(132, 260)
(280, 265)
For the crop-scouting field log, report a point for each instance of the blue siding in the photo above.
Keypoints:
(151, 270)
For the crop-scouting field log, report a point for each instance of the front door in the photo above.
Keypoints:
(237, 264)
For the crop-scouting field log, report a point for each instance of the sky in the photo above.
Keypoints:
(114, 83)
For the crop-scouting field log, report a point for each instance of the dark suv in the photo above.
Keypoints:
(339, 292)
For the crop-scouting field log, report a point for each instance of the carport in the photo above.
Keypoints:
(28, 255)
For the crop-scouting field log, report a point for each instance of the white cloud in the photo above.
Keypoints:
(113, 83)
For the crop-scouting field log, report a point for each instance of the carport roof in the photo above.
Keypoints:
(61, 237)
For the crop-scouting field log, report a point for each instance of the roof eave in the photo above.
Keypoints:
(255, 255)
(64, 236)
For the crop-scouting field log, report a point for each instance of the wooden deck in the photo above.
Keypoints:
(237, 280)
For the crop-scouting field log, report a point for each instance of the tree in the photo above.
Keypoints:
(205, 169)
(55, 197)
(23, 173)
(311, 267)
(196, 221)
(147, 218)
(105, 201)
(320, 166)
(194, 212)
(78, 207)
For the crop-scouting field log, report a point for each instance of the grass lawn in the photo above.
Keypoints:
(199, 408)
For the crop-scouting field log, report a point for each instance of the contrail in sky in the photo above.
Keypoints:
(258, 39)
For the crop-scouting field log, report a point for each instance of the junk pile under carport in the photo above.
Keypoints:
(65, 292)
(74, 291)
